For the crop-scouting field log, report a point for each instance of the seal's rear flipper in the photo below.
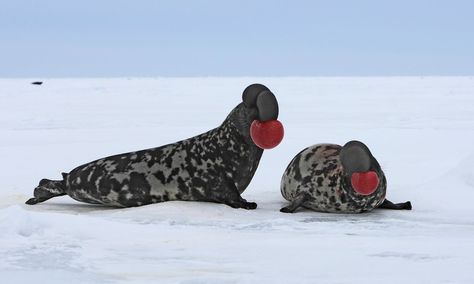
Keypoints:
(296, 203)
(395, 206)
(47, 189)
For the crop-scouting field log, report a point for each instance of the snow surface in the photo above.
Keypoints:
(421, 129)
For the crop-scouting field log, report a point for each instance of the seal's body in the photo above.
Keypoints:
(216, 166)
(321, 178)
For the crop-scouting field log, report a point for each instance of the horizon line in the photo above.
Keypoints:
(227, 76)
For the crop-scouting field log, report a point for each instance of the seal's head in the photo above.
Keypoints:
(256, 117)
(266, 130)
(360, 167)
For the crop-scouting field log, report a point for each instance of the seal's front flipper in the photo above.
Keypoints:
(229, 195)
(395, 206)
(241, 203)
(47, 189)
(296, 203)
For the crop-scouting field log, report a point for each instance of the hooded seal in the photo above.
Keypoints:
(331, 178)
(216, 166)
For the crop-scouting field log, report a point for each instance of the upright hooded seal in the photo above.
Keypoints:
(331, 178)
(216, 166)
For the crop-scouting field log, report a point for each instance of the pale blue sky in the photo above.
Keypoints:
(88, 38)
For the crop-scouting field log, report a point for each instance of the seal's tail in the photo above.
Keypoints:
(47, 189)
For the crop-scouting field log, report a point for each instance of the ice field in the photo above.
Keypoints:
(421, 130)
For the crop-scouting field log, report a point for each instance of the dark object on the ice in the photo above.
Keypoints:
(37, 83)
(331, 178)
(216, 166)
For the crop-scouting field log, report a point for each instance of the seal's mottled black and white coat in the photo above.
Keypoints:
(216, 166)
(317, 179)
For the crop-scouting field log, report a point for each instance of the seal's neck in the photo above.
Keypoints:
(240, 155)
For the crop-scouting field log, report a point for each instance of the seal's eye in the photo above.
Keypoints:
(365, 183)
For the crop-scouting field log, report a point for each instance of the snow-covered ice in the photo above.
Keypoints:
(421, 129)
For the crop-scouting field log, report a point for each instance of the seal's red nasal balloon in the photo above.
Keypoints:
(365, 183)
(266, 134)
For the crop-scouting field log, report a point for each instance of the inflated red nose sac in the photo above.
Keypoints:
(365, 183)
(266, 134)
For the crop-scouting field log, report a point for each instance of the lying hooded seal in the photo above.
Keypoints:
(331, 178)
